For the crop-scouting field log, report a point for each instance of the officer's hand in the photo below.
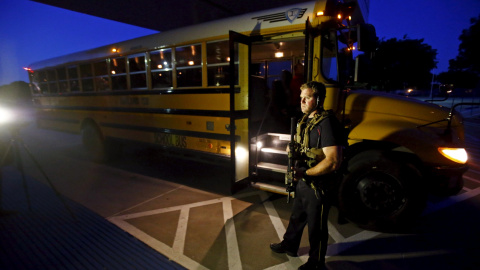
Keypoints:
(300, 173)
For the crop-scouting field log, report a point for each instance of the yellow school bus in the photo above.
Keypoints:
(223, 92)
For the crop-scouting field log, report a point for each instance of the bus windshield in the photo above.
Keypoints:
(338, 53)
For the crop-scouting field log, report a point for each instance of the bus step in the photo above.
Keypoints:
(272, 188)
(272, 167)
(274, 150)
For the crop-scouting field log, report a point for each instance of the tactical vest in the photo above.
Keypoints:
(304, 127)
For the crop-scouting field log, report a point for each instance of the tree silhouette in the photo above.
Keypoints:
(15, 92)
(464, 70)
(405, 63)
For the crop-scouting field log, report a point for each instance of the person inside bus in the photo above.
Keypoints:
(319, 135)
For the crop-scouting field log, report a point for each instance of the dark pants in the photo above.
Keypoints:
(312, 210)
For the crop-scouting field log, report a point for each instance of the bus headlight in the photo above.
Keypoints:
(458, 155)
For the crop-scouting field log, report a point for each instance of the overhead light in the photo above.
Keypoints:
(279, 54)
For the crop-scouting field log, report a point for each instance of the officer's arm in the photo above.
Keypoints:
(331, 162)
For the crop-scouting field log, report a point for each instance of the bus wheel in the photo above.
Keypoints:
(381, 192)
(94, 143)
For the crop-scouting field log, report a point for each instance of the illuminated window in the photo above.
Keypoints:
(218, 63)
(161, 68)
(101, 80)
(189, 65)
(138, 76)
(118, 73)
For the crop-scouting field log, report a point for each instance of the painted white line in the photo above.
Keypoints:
(470, 170)
(151, 199)
(471, 179)
(179, 242)
(170, 209)
(157, 245)
(234, 260)
(334, 233)
(391, 256)
(451, 201)
(233, 252)
(273, 214)
(347, 243)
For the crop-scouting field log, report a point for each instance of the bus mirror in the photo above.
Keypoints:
(366, 38)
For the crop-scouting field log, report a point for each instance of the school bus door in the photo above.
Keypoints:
(240, 58)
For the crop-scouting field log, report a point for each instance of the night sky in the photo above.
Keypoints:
(31, 31)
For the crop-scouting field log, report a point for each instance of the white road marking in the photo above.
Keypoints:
(472, 179)
(234, 260)
(233, 252)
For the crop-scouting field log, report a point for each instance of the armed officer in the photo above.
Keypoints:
(320, 145)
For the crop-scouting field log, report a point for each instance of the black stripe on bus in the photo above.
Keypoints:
(198, 134)
(239, 114)
(141, 92)
(68, 121)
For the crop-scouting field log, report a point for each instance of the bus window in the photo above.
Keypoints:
(101, 75)
(275, 69)
(189, 65)
(329, 56)
(337, 59)
(62, 79)
(86, 73)
(40, 78)
(218, 58)
(73, 78)
(119, 76)
(52, 81)
(258, 69)
(137, 71)
(161, 68)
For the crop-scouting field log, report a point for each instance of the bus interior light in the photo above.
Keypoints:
(259, 145)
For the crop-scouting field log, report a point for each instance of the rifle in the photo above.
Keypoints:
(292, 154)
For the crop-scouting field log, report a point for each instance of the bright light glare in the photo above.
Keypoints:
(240, 153)
(6, 116)
(279, 54)
(458, 155)
(259, 145)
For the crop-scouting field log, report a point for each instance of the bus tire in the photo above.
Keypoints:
(381, 191)
(94, 143)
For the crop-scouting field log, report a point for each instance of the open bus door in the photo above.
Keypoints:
(240, 58)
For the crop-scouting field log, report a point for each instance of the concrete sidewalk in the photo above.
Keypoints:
(40, 230)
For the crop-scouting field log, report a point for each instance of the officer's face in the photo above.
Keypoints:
(308, 101)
